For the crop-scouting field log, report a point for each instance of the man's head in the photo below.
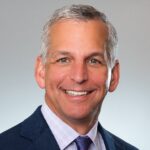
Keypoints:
(80, 13)
(78, 66)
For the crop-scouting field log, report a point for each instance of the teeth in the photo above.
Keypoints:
(75, 93)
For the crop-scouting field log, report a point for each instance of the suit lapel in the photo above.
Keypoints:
(108, 139)
(37, 131)
(45, 142)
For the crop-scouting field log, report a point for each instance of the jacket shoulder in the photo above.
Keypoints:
(20, 136)
(120, 144)
(11, 139)
(112, 142)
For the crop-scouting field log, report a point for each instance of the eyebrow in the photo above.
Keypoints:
(59, 53)
(97, 54)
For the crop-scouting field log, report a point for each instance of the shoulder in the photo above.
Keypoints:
(20, 136)
(113, 142)
(120, 144)
(11, 139)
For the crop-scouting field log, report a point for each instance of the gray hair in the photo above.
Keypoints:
(81, 12)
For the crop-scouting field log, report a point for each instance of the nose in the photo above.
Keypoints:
(79, 73)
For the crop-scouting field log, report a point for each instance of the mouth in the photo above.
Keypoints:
(77, 93)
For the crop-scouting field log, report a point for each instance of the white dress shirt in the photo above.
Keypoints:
(65, 135)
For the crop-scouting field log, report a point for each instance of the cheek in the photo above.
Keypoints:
(55, 76)
(100, 77)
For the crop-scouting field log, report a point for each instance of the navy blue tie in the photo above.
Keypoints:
(83, 142)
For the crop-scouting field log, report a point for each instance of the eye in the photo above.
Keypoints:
(63, 60)
(94, 61)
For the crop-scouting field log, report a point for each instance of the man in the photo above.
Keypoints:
(77, 68)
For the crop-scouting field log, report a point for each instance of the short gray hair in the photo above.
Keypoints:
(81, 12)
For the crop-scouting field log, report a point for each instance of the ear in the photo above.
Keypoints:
(115, 77)
(40, 72)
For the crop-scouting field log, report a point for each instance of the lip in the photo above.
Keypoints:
(79, 95)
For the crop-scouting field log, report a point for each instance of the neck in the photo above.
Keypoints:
(80, 125)
(83, 127)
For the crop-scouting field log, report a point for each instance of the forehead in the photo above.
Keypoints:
(76, 24)
(78, 35)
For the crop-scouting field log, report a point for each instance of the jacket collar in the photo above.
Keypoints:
(36, 130)
(107, 137)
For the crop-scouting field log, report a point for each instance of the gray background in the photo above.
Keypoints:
(125, 112)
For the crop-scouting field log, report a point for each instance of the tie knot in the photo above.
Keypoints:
(83, 142)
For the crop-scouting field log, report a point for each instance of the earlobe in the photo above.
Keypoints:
(115, 77)
(40, 72)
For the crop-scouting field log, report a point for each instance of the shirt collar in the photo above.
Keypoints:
(61, 130)
(92, 134)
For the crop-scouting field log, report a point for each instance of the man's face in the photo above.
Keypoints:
(76, 76)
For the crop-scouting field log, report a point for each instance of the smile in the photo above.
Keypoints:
(77, 93)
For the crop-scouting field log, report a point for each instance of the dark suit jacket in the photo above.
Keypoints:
(34, 134)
